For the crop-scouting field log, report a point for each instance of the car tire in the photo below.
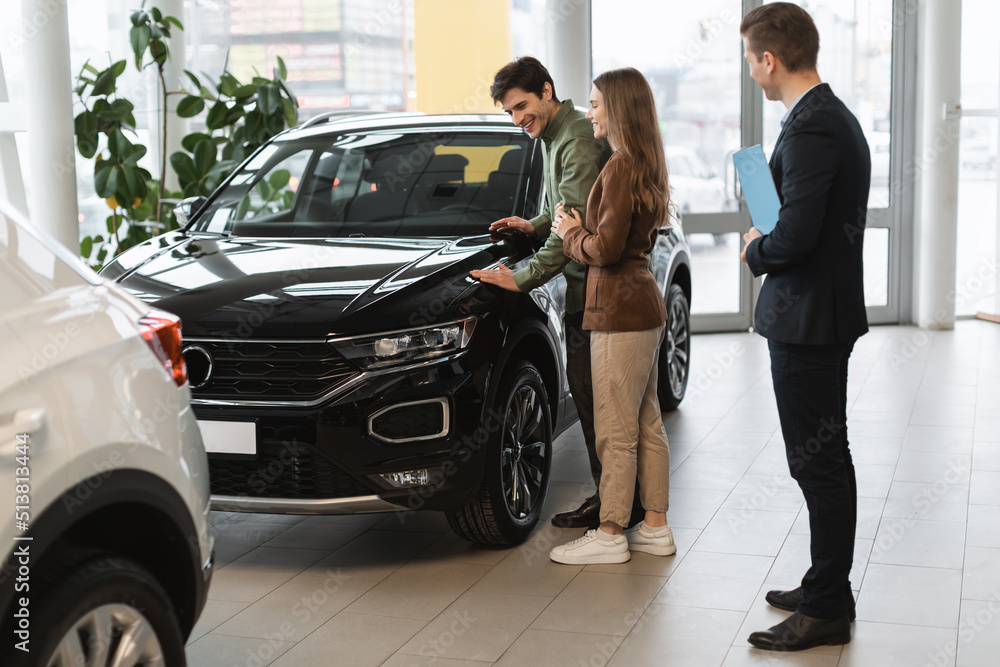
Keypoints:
(675, 351)
(89, 595)
(519, 454)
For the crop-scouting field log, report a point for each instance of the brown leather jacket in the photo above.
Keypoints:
(620, 292)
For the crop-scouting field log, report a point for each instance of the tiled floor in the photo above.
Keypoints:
(403, 590)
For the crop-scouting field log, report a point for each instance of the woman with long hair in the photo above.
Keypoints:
(625, 314)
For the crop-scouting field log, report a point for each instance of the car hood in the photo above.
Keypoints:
(302, 288)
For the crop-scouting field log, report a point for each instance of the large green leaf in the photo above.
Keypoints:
(194, 79)
(115, 112)
(208, 94)
(114, 177)
(191, 140)
(190, 106)
(217, 116)
(173, 20)
(245, 91)
(158, 50)
(135, 155)
(102, 172)
(233, 115)
(119, 145)
(139, 38)
(129, 185)
(139, 17)
(105, 83)
(268, 99)
(291, 112)
(282, 70)
(228, 84)
(86, 133)
(204, 157)
(157, 14)
(86, 246)
(184, 167)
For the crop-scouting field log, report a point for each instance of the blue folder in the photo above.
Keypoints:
(758, 188)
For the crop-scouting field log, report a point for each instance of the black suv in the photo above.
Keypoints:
(341, 358)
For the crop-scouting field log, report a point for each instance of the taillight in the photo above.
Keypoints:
(162, 332)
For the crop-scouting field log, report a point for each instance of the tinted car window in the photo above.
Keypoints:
(380, 184)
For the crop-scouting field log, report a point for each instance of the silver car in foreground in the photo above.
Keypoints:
(104, 544)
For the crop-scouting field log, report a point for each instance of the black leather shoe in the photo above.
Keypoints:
(790, 600)
(587, 515)
(799, 632)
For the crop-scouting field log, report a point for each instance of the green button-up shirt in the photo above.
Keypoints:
(572, 158)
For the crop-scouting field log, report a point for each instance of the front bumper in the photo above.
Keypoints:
(324, 459)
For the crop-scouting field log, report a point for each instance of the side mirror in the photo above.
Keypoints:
(187, 208)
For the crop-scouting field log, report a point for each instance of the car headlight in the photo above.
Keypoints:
(408, 346)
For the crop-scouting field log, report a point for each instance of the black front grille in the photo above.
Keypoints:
(248, 370)
(283, 470)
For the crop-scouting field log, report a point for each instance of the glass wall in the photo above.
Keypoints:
(692, 56)
(855, 58)
(976, 277)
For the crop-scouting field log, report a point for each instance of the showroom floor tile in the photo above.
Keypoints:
(401, 589)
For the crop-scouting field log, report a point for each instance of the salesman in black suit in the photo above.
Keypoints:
(811, 309)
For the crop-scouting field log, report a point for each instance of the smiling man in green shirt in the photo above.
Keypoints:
(572, 159)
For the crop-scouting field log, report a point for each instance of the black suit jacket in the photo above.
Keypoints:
(814, 290)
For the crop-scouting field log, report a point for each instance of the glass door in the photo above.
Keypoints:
(856, 59)
(709, 107)
(692, 55)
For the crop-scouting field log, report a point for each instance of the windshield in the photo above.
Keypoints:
(379, 184)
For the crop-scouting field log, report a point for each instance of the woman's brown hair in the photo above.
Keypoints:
(634, 131)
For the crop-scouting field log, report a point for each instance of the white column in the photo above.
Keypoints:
(938, 92)
(568, 27)
(51, 174)
(173, 72)
(996, 259)
(11, 121)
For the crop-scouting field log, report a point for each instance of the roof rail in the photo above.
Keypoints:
(343, 114)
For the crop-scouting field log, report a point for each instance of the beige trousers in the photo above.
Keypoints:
(630, 435)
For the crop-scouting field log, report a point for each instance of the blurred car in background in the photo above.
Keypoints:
(694, 186)
(107, 556)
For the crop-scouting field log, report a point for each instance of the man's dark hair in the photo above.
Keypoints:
(784, 29)
(525, 73)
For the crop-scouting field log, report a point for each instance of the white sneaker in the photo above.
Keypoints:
(591, 549)
(656, 541)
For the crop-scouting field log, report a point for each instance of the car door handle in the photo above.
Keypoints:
(24, 422)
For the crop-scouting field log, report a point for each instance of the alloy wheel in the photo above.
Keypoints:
(112, 634)
(678, 347)
(522, 456)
